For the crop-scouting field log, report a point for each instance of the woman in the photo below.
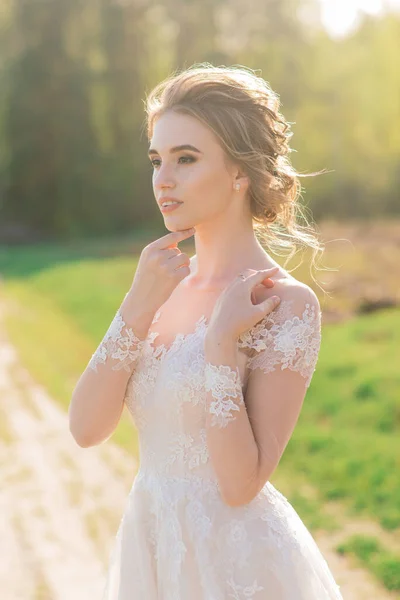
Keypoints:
(213, 355)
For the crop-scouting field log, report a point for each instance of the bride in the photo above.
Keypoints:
(212, 355)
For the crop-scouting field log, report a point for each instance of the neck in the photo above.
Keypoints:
(224, 252)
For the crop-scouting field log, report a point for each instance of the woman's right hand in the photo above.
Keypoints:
(161, 267)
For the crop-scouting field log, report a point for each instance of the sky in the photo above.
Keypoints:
(340, 17)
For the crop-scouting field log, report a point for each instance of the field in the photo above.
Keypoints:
(340, 469)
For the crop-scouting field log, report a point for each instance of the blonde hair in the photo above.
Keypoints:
(243, 112)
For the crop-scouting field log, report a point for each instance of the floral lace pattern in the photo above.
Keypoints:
(286, 341)
(224, 385)
(239, 591)
(177, 538)
(119, 343)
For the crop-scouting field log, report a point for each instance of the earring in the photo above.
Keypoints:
(237, 187)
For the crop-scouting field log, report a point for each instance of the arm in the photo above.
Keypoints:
(98, 398)
(247, 436)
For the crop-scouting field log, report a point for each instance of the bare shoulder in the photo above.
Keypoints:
(297, 291)
(298, 295)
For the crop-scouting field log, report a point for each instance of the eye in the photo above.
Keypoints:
(189, 158)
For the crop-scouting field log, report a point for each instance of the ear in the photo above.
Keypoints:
(242, 178)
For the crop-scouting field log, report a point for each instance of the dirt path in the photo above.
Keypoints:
(355, 582)
(62, 504)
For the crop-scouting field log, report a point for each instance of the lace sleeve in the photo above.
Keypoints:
(287, 338)
(119, 343)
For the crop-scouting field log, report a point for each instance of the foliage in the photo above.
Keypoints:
(74, 75)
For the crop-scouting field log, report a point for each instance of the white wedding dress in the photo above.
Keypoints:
(178, 539)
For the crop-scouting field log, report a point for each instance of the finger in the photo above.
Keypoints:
(259, 276)
(246, 273)
(173, 238)
(268, 283)
(171, 252)
(271, 303)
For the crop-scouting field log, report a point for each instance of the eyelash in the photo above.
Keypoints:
(190, 158)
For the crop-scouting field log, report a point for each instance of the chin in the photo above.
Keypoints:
(175, 228)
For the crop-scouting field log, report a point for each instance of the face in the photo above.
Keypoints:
(200, 176)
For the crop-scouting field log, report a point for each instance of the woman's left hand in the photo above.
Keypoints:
(234, 311)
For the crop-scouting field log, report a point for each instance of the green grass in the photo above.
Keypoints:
(61, 300)
(384, 565)
(347, 439)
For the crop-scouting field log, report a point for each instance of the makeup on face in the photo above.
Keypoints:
(170, 207)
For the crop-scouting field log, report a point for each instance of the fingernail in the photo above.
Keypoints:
(275, 298)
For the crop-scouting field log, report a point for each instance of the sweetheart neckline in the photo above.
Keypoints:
(160, 351)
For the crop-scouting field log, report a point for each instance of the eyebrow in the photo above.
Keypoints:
(177, 149)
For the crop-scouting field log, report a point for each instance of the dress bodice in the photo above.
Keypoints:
(166, 397)
(166, 392)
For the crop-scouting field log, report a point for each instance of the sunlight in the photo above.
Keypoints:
(341, 16)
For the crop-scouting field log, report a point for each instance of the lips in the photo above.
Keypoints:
(169, 199)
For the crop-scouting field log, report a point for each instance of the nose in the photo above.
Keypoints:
(162, 179)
